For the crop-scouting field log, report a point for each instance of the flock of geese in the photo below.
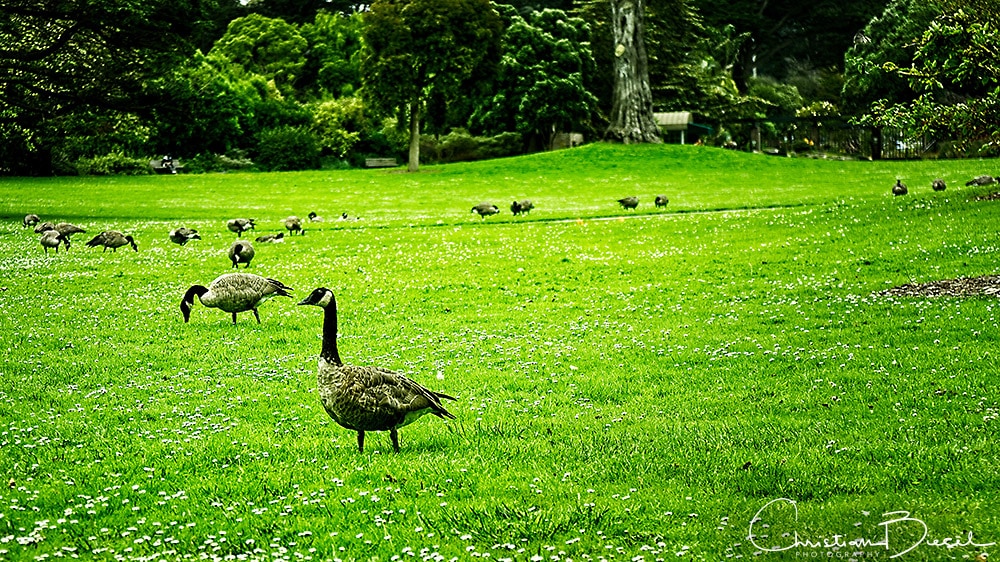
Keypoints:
(939, 184)
(358, 398)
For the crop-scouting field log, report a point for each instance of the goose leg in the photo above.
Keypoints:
(361, 441)
(255, 315)
(395, 439)
(234, 318)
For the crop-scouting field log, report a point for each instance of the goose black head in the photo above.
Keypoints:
(321, 297)
(131, 241)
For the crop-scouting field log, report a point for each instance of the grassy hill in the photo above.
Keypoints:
(657, 383)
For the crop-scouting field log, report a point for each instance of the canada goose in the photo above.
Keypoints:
(239, 226)
(313, 217)
(518, 207)
(294, 224)
(112, 239)
(629, 202)
(661, 201)
(899, 188)
(30, 220)
(241, 252)
(183, 235)
(938, 185)
(234, 292)
(980, 180)
(367, 398)
(67, 229)
(43, 226)
(344, 217)
(485, 209)
(275, 238)
(51, 239)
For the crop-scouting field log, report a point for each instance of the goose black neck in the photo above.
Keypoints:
(198, 290)
(329, 351)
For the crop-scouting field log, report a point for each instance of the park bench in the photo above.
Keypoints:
(380, 163)
(175, 166)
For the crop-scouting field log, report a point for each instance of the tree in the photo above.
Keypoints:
(267, 47)
(57, 58)
(541, 85)
(423, 48)
(632, 101)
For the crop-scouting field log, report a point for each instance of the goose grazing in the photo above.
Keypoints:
(899, 188)
(294, 224)
(43, 226)
(183, 235)
(485, 209)
(239, 226)
(981, 180)
(629, 202)
(30, 220)
(234, 292)
(51, 239)
(344, 217)
(518, 207)
(67, 229)
(938, 185)
(661, 201)
(367, 398)
(241, 252)
(271, 238)
(112, 239)
(313, 217)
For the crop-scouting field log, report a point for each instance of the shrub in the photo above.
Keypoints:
(113, 164)
(460, 146)
(288, 148)
(233, 161)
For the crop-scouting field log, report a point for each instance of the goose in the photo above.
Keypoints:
(367, 398)
(344, 217)
(67, 229)
(241, 252)
(313, 217)
(30, 220)
(629, 202)
(112, 239)
(239, 226)
(294, 224)
(518, 207)
(43, 226)
(899, 188)
(234, 292)
(274, 238)
(485, 209)
(183, 235)
(51, 239)
(661, 201)
(938, 185)
(981, 180)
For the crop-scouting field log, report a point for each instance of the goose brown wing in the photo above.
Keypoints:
(377, 399)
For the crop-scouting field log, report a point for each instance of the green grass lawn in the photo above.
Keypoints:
(632, 385)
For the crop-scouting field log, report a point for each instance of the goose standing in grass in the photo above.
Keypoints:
(367, 398)
(241, 252)
(112, 239)
(629, 202)
(899, 188)
(239, 226)
(485, 209)
(271, 238)
(938, 185)
(183, 235)
(661, 201)
(31, 220)
(234, 293)
(294, 224)
(518, 207)
(52, 239)
(980, 180)
(313, 217)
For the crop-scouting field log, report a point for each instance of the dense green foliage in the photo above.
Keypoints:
(629, 386)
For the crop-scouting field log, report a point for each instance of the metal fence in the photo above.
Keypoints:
(803, 135)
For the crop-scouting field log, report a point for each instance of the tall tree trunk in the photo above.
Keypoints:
(414, 164)
(632, 102)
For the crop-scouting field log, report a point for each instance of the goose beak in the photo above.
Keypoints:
(304, 301)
